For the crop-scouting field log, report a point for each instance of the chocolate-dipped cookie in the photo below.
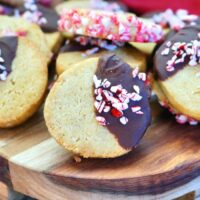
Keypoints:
(99, 108)
(22, 84)
(177, 67)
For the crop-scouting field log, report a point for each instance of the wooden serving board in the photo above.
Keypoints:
(165, 165)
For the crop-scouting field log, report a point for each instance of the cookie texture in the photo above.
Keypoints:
(13, 26)
(23, 90)
(71, 117)
(54, 41)
(132, 56)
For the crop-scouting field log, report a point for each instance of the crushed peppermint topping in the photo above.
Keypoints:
(115, 99)
(32, 14)
(3, 71)
(109, 25)
(180, 118)
(182, 51)
(175, 20)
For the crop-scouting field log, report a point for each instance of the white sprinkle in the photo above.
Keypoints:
(96, 81)
(135, 72)
(84, 21)
(142, 76)
(136, 88)
(1, 59)
(101, 120)
(193, 122)
(106, 22)
(79, 31)
(165, 52)
(181, 119)
(106, 109)
(123, 120)
(168, 44)
(135, 108)
(121, 28)
(139, 113)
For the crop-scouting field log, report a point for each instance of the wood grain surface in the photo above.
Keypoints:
(165, 164)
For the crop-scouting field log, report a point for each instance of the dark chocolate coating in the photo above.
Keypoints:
(49, 14)
(8, 47)
(187, 34)
(73, 46)
(117, 72)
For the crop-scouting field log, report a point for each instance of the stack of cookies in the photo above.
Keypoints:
(101, 92)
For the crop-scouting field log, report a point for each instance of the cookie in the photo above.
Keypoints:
(82, 113)
(46, 18)
(123, 27)
(23, 80)
(13, 26)
(176, 65)
(73, 53)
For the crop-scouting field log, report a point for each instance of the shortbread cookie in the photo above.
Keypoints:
(73, 53)
(177, 64)
(13, 26)
(109, 25)
(23, 80)
(99, 108)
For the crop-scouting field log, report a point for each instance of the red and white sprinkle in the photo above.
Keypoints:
(122, 27)
(175, 20)
(180, 118)
(3, 71)
(182, 52)
(32, 14)
(115, 99)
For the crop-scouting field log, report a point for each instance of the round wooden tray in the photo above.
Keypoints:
(166, 164)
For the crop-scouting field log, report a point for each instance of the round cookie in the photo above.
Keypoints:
(118, 26)
(73, 116)
(130, 55)
(23, 80)
(10, 25)
(177, 64)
